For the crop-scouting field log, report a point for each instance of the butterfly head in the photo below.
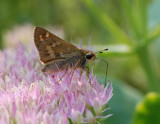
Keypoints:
(90, 56)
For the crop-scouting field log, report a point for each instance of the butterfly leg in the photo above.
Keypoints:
(80, 74)
(89, 75)
(64, 73)
(87, 68)
(74, 68)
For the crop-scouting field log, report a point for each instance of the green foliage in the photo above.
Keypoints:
(39, 13)
(122, 103)
(147, 111)
(129, 28)
(139, 37)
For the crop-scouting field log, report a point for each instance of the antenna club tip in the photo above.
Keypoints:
(102, 51)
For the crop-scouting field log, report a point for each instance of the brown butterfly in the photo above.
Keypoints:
(57, 54)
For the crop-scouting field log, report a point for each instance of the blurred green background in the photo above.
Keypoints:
(130, 29)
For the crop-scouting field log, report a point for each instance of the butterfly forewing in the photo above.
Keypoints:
(51, 47)
(41, 34)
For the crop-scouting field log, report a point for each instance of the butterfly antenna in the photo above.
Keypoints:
(106, 69)
(101, 51)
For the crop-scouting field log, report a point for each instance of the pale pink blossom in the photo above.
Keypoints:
(27, 96)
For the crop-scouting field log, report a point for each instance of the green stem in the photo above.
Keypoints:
(154, 34)
(146, 62)
(108, 23)
(129, 15)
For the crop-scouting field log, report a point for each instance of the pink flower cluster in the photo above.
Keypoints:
(28, 96)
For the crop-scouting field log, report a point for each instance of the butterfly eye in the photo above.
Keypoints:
(89, 56)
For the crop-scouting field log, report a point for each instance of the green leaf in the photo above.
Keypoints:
(122, 103)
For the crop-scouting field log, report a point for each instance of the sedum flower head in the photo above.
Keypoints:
(28, 96)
